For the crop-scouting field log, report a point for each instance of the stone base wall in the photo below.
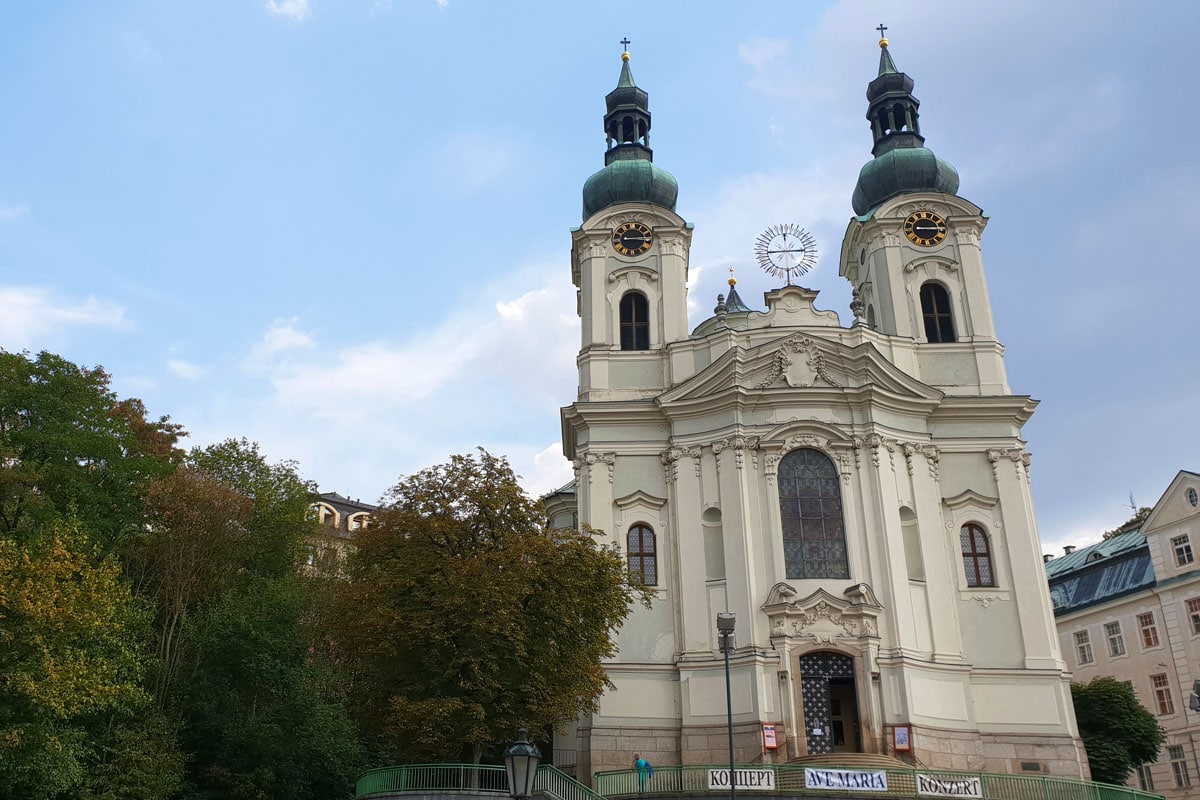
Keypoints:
(1015, 754)
(604, 749)
(709, 744)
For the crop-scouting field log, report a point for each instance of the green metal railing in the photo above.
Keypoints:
(789, 780)
(693, 780)
(465, 779)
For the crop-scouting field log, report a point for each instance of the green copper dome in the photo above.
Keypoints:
(902, 162)
(629, 174)
(629, 181)
(900, 171)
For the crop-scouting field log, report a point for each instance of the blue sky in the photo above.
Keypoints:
(341, 227)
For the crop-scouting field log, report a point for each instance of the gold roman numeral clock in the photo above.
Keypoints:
(632, 238)
(925, 228)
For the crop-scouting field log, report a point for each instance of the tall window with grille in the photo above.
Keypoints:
(1193, 609)
(810, 510)
(1179, 766)
(1116, 641)
(935, 312)
(1149, 629)
(1083, 647)
(635, 322)
(1162, 694)
(643, 554)
(1182, 546)
(976, 556)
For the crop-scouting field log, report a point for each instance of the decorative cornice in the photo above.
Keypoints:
(1019, 458)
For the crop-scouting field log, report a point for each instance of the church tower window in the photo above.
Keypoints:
(810, 507)
(635, 322)
(643, 554)
(977, 556)
(935, 309)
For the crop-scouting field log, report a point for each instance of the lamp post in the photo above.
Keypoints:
(521, 763)
(725, 625)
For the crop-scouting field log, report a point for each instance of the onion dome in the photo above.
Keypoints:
(902, 163)
(629, 174)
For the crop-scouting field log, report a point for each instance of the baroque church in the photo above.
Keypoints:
(859, 497)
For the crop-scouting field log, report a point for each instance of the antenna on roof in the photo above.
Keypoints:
(1132, 505)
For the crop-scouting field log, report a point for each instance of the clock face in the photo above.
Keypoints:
(925, 228)
(632, 239)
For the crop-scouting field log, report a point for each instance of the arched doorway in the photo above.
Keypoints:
(830, 703)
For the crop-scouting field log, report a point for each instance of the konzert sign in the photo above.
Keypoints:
(761, 779)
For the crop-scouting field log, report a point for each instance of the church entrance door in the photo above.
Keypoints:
(830, 703)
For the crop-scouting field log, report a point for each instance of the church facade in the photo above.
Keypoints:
(858, 496)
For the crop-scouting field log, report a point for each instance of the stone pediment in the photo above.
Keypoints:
(801, 362)
(822, 617)
(1175, 505)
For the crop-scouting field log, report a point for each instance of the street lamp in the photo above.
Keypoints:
(725, 625)
(521, 763)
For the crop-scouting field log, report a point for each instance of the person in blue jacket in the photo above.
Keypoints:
(644, 771)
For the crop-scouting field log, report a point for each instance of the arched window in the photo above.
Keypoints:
(977, 556)
(358, 521)
(635, 322)
(935, 310)
(643, 555)
(810, 506)
(324, 514)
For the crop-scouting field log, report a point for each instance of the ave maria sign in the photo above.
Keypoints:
(860, 780)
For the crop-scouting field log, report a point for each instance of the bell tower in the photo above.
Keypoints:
(912, 252)
(629, 258)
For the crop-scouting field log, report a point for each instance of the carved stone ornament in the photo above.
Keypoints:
(929, 451)
(875, 442)
(1019, 458)
(941, 209)
(821, 618)
(986, 600)
(606, 459)
(672, 456)
(803, 371)
(739, 445)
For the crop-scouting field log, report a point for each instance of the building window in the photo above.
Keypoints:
(1149, 629)
(358, 521)
(1162, 694)
(810, 508)
(1083, 647)
(1179, 766)
(643, 555)
(935, 310)
(324, 514)
(1183, 550)
(1193, 609)
(1116, 642)
(1192, 497)
(977, 557)
(635, 322)
(1145, 778)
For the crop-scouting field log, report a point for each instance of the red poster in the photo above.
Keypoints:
(769, 740)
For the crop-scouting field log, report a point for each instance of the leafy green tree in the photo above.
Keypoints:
(70, 635)
(1117, 731)
(466, 618)
(69, 445)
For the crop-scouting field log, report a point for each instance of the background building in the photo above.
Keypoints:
(340, 519)
(1129, 608)
(858, 496)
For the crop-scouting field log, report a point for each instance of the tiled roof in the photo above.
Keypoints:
(1087, 555)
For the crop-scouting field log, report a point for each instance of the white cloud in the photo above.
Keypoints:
(27, 314)
(281, 337)
(185, 370)
(761, 53)
(381, 7)
(13, 212)
(545, 471)
(295, 10)
(443, 3)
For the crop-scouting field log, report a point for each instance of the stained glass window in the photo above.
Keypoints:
(643, 555)
(977, 556)
(810, 506)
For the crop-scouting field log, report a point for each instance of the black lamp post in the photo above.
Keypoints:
(521, 763)
(725, 624)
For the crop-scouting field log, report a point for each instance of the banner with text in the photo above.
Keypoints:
(761, 779)
(862, 780)
(949, 786)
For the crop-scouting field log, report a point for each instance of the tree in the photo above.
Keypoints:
(1130, 524)
(1117, 731)
(70, 635)
(466, 618)
(69, 445)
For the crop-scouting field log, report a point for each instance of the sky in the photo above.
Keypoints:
(341, 228)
